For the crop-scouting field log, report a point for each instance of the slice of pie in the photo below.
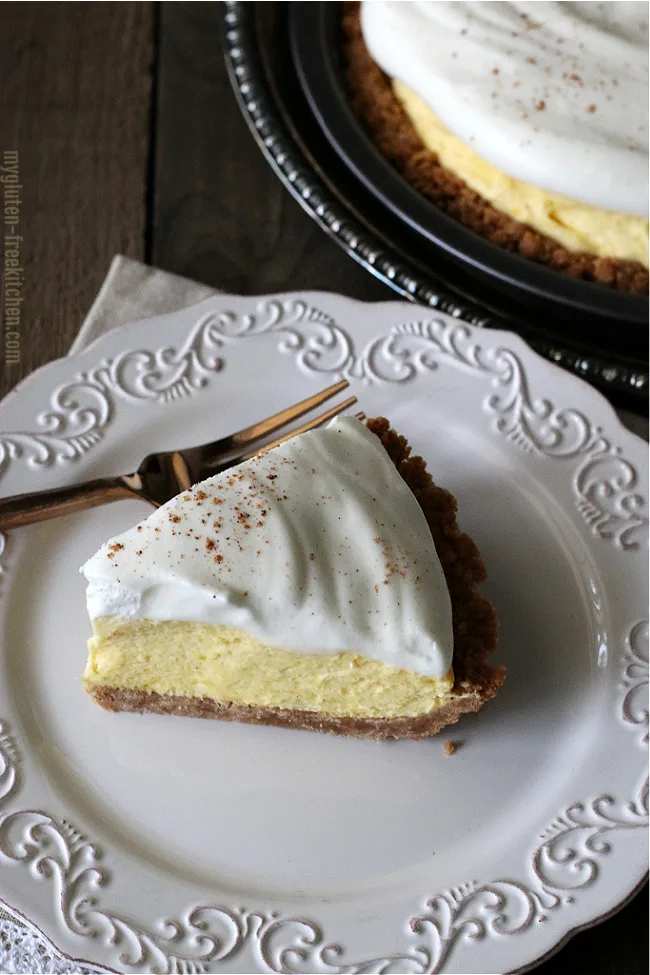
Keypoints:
(321, 585)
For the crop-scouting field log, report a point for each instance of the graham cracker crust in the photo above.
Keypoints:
(474, 625)
(377, 107)
(377, 729)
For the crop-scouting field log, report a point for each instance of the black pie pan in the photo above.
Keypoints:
(285, 66)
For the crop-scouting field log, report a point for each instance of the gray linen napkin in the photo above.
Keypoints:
(132, 291)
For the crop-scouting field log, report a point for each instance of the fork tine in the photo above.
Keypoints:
(316, 421)
(160, 476)
(256, 431)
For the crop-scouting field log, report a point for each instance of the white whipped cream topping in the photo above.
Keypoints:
(553, 94)
(317, 546)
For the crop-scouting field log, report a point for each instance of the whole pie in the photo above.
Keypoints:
(322, 585)
(527, 122)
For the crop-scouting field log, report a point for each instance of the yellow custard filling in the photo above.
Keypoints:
(231, 666)
(579, 227)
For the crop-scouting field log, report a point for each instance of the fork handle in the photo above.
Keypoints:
(25, 509)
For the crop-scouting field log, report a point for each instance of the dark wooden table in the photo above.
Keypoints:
(129, 141)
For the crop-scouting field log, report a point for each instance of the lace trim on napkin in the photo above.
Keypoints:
(25, 951)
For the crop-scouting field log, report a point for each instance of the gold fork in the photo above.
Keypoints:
(162, 475)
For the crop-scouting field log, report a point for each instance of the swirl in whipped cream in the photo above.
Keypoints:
(317, 546)
(553, 94)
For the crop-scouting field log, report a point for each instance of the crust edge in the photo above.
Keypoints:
(376, 729)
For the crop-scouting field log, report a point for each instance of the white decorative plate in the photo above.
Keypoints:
(176, 845)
